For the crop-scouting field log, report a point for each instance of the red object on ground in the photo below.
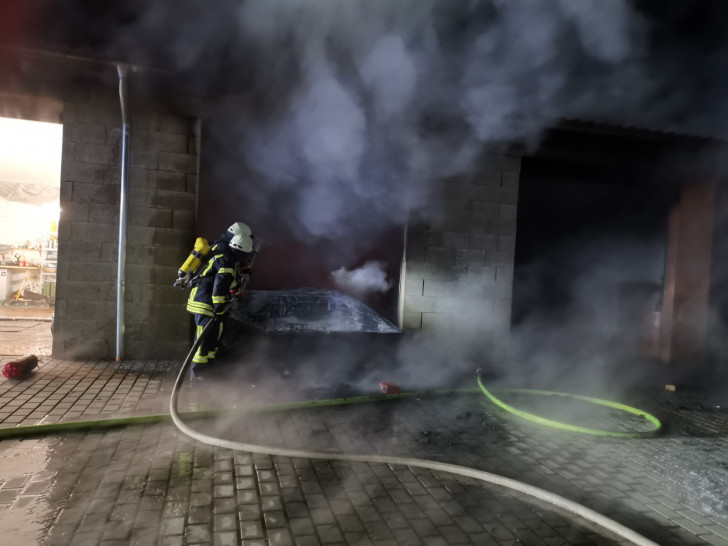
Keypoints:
(386, 387)
(19, 369)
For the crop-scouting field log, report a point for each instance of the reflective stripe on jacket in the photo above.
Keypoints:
(213, 284)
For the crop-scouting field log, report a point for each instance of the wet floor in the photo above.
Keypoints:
(26, 331)
(149, 484)
(26, 481)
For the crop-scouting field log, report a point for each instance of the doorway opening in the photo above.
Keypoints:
(30, 177)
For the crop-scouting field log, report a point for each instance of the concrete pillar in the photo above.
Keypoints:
(161, 230)
(459, 265)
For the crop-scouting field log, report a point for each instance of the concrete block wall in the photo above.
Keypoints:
(459, 262)
(161, 229)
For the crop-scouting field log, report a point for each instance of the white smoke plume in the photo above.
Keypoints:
(366, 104)
(370, 278)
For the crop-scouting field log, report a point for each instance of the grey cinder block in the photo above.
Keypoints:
(64, 229)
(84, 251)
(502, 227)
(487, 178)
(95, 193)
(74, 212)
(192, 183)
(138, 178)
(434, 271)
(453, 222)
(166, 181)
(498, 258)
(85, 231)
(415, 254)
(480, 226)
(439, 289)
(185, 220)
(504, 274)
(418, 237)
(511, 180)
(68, 151)
(508, 212)
(143, 158)
(416, 304)
(170, 123)
(103, 214)
(455, 239)
(414, 287)
(150, 217)
(99, 154)
(412, 321)
(170, 161)
(506, 196)
(438, 321)
(87, 271)
(84, 132)
(470, 257)
(82, 308)
(66, 193)
(455, 206)
(483, 273)
(168, 142)
(81, 291)
(486, 209)
(74, 171)
(480, 241)
(440, 255)
(511, 164)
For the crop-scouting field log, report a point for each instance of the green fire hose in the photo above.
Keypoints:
(567, 426)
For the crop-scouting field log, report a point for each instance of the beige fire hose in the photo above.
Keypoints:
(514, 485)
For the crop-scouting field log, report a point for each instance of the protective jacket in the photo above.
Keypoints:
(212, 287)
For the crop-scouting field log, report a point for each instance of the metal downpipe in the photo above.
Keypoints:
(123, 206)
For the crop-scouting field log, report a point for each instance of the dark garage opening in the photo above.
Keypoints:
(592, 236)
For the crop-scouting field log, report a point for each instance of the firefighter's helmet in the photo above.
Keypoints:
(240, 228)
(241, 242)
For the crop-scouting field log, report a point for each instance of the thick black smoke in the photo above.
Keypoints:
(333, 118)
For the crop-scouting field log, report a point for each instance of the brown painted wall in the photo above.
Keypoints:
(687, 278)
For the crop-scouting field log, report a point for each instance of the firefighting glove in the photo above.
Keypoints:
(219, 308)
(236, 294)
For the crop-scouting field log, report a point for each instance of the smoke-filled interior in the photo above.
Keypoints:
(329, 127)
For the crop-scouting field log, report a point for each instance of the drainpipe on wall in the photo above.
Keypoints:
(123, 205)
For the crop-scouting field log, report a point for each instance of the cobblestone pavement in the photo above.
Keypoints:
(149, 484)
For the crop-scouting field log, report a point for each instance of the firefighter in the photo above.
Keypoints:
(188, 271)
(221, 276)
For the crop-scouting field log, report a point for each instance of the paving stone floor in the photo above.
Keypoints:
(149, 484)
